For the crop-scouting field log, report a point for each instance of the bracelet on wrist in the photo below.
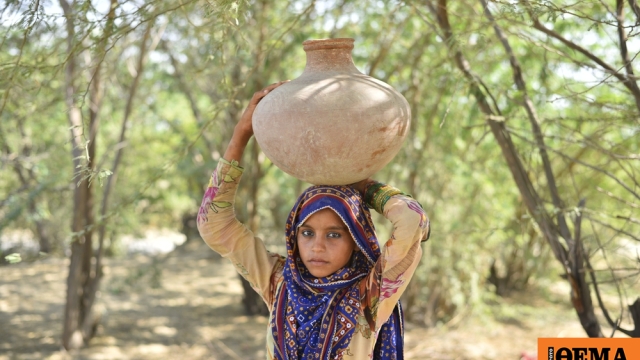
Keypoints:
(377, 194)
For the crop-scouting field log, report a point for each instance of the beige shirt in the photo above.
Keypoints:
(399, 258)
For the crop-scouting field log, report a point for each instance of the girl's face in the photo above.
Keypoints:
(324, 243)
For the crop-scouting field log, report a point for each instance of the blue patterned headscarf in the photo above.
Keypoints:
(315, 318)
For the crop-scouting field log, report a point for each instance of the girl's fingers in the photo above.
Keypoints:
(275, 85)
(257, 96)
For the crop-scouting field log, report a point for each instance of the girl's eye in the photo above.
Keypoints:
(307, 233)
(334, 235)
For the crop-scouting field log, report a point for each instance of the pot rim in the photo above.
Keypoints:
(327, 44)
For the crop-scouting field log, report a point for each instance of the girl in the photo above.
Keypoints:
(336, 293)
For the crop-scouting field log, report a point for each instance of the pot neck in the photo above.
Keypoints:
(329, 55)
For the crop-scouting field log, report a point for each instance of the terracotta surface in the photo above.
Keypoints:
(332, 125)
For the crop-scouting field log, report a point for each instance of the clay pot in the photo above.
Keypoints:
(332, 125)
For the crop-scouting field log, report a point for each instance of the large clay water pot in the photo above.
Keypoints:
(332, 125)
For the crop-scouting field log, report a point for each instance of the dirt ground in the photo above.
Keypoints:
(187, 305)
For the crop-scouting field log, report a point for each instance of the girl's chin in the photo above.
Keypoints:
(319, 273)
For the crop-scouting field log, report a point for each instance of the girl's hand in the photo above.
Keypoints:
(361, 186)
(245, 125)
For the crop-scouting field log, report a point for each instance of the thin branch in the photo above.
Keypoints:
(622, 38)
(32, 21)
(533, 120)
(123, 129)
(617, 230)
(385, 45)
(629, 219)
(614, 324)
(182, 84)
(612, 195)
(620, 278)
(593, 167)
(613, 270)
(636, 10)
(628, 83)
(587, 142)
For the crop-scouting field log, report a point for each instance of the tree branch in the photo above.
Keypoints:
(593, 167)
(628, 83)
(95, 103)
(533, 120)
(636, 10)
(123, 130)
(617, 230)
(182, 84)
(614, 324)
(32, 21)
(622, 38)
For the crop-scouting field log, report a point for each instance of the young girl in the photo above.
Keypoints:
(336, 293)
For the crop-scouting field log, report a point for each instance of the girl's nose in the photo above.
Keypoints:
(318, 244)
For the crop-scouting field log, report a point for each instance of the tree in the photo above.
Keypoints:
(568, 248)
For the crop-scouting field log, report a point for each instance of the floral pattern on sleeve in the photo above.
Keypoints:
(207, 200)
(424, 221)
(388, 287)
(213, 188)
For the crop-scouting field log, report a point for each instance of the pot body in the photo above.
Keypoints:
(332, 125)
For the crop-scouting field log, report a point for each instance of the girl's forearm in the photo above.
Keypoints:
(236, 146)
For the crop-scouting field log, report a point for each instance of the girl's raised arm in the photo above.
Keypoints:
(401, 253)
(217, 222)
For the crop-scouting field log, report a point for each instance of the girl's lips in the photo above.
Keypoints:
(318, 262)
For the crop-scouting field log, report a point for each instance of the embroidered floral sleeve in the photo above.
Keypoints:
(222, 231)
(399, 259)
(214, 186)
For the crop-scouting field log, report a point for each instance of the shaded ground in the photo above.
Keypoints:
(187, 305)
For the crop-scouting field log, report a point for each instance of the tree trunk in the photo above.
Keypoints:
(83, 279)
(44, 240)
(251, 300)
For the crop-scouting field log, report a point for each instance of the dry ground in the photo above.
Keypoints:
(187, 305)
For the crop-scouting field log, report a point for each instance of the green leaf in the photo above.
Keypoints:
(221, 204)
(13, 258)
